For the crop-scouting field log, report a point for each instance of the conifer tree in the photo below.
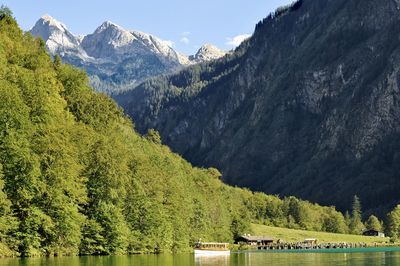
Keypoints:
(356, 225)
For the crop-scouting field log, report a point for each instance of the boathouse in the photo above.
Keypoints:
(254, 240)
(373, 233)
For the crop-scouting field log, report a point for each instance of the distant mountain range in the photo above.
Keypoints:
(308, 106)
(117, 59)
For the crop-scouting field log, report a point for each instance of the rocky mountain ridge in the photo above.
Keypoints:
(115, 58)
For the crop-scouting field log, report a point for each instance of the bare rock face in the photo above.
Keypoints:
(206, 53)
(308, 106)
(109, 40)
(56, 35)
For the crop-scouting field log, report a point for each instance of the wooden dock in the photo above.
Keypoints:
(301, 245)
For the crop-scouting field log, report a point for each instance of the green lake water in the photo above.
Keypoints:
(257, 258)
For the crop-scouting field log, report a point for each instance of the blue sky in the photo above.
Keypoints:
(187, 24)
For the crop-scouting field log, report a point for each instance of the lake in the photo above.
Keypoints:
(257, 258)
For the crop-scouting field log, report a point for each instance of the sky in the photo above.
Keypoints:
(186, 24)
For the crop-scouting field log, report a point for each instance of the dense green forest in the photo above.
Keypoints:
(75, 177)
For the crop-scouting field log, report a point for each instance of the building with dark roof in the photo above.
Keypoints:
(373, 233)
(254, 240)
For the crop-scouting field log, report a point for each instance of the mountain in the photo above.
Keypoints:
(112, 41)
(59, 40)
(207, 52)
(308, 106)
(115, 58)
(76, 178)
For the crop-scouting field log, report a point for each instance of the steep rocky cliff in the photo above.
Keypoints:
(308, 106)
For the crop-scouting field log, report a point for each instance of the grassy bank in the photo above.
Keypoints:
(293, 235)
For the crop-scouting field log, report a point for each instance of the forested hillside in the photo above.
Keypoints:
(75, 177)
(308, 106)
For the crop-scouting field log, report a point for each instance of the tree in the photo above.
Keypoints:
(394, 223)
(347, 219)
(373, 224)
(5, 12)
(214, 172)
(356, 225)
(7, 222)
(334, 222)
(57, 61)
(153, 136)
(300, 213)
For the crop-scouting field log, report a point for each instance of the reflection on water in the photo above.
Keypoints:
(356, 259)
(268, 258)
(235, 259)
(204, 260)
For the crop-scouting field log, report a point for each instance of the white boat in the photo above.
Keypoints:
(211, 249)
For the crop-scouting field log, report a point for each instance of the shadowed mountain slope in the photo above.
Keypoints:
(308, 106)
